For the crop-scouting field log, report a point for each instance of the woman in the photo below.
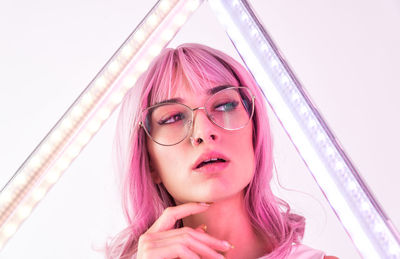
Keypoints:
(195, 150)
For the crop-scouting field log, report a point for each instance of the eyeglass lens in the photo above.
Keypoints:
(170, 123)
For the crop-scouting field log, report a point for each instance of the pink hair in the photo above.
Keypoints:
(144, 201)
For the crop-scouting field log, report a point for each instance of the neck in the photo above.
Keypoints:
(228, 220)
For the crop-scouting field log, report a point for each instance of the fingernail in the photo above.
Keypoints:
(228, 245)
(206, 204)
(204, 227)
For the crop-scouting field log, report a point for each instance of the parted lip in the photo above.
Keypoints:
(208, 155)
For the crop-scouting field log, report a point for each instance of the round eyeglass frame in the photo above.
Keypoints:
(141, 124)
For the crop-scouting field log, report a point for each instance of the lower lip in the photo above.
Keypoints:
(212, 168)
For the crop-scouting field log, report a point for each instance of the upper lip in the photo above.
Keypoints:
(209, 155)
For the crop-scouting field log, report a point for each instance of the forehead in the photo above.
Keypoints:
(188, 80)
(188, 95)
(184, 91)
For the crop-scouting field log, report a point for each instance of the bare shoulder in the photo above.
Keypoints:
(330, 257)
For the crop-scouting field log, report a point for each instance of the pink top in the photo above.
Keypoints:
(302, 252)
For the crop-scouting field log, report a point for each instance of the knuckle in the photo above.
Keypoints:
(144, 237)
(182, 249)
(186, 237)
(146, 247)
(167, 211)
(186, 229)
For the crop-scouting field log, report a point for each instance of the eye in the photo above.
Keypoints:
(172, 119)
(227, 106)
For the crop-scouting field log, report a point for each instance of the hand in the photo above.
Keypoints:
(161, 240)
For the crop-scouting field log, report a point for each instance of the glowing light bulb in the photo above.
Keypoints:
(10, 229)
(330, 151)
(180, 20)
(67, 124)
(24, 211)
(104, 113)
(76, 113)
(56, 136)
(165, 5)
(140, 35)
(264, 47)
(83, 138)
(38, 194)
(127, 51)
(274, 63)
(74, 150)
(5, 196)
(93, 126)
(285, 79)
(46, 148)
(36, 162)
(101, 83)
(339, 165)
(365, 206)
(153, 20)
(114, 67)
(351, 186)
(63, 163)
(245, 17)
(53, 176)
(21, 178)
(303, 110)
(321, 137)
(312, 123)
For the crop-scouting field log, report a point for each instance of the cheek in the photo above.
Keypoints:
(241, 147)
(168, 162)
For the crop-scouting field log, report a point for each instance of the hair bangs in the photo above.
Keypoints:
(183, 67)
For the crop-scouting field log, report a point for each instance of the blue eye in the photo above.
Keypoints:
(172, 119)
(226, 107)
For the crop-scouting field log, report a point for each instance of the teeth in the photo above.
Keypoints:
(209, 161)
(212, 159)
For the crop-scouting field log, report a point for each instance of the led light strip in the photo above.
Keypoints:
(83, 119)
(370, 229)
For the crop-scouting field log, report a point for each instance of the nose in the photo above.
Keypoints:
(203, 129)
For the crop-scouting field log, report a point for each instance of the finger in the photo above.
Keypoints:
(214, 243)
(171, 214)
(202, 228)
(191, 243)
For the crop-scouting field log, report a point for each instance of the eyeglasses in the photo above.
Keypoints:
(170, 123)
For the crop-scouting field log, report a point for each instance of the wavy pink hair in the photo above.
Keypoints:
(144, 201)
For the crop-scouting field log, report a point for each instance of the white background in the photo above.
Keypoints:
(346, 54)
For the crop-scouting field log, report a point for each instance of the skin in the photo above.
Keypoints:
(172, 165)
(211, 206)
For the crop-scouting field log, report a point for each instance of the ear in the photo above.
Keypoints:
(154, 174)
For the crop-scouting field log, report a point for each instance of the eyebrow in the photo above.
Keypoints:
(217, 89)
(211, 91)
(173, 100)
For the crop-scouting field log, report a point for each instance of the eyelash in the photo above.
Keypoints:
(234, 104)
(163, 122)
